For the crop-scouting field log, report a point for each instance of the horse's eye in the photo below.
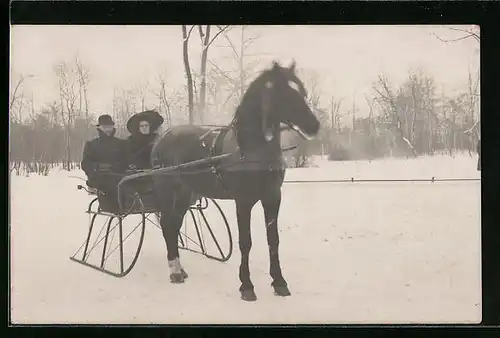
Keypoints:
(294, 86)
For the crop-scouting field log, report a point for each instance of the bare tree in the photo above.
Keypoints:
(164, 105)
(83, 74)
(140, 92)
(472, 109)
(240, 53)
(473, 93)
(371, 130)
(124, 106)
(230, 75)
(386, 99)
(187, 68)
(18, 102)
(67, 97)
(83, 78)
(311, 80)
(17, 99)
(334, 112)
(206, 42)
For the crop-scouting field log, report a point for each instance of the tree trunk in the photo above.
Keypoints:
(68, 142)
(187, 68)
(241, 63)
(203, 72)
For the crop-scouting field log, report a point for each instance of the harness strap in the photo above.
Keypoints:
(215, 148)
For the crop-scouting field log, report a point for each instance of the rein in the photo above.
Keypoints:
(176, 169)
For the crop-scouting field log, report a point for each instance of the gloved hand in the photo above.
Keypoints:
(131, 168)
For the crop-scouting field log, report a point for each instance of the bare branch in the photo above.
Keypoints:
(469, 131)
(454, 40)
(469, 32)
(188, 35)
(200, 31)
(250, 40)
(221, 30)
(14, 94)
(231, 45)
(221, 72)
(231, 94)
(18, 85)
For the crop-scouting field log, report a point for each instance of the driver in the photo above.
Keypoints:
(104, 162)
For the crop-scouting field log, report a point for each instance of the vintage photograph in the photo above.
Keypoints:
(220, 174)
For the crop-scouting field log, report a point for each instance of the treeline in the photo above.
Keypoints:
(409, 120)
(41, 145)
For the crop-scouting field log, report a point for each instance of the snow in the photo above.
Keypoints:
(351, 253)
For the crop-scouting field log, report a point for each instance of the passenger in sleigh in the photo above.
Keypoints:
(104, 162)
(142, 128)
(143, 131)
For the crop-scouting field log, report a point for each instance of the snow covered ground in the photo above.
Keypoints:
(351, 253)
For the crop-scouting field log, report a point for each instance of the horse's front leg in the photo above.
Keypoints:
(243, 213)
(171, 223)
(271, 204)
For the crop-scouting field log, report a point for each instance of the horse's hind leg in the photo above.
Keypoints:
(171, 223)
(271, 204)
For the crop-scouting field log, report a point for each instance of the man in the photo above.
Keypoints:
(104, 162)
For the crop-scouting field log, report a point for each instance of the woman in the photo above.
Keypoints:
(142, 128)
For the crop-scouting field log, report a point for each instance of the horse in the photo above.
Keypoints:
(275, 100)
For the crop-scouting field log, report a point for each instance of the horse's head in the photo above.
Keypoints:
(283, 100)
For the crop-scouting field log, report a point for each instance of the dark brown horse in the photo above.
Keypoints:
(255, 172)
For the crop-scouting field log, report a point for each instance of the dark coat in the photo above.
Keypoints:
(139, 150)
(104, 152)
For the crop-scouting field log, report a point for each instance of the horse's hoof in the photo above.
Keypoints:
(248, 295)
(177, 278)
(184, 274)
(282, 291)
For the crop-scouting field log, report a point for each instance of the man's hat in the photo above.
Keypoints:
(105, 120)
(152, 116)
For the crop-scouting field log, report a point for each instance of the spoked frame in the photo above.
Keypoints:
(201, 205)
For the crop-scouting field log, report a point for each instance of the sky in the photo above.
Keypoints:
(347, 59)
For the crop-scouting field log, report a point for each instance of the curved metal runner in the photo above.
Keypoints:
(107, 231)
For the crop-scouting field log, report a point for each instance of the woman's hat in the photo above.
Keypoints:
(105, 120)
(151, 116)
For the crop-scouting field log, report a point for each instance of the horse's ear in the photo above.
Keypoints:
(291, 68)
(276, 65)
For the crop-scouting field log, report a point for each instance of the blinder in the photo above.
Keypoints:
(267, 126)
